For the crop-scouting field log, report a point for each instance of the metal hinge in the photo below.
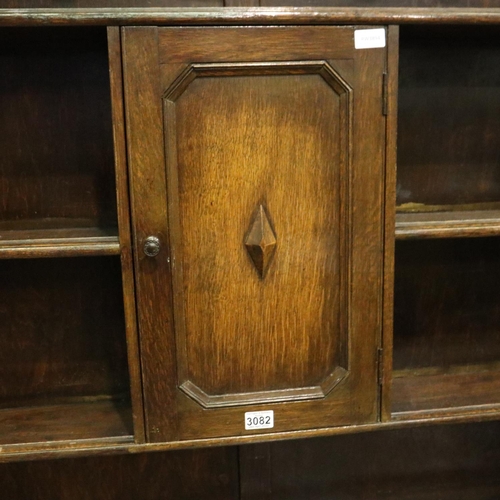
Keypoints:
(380, 365)
(385, 93)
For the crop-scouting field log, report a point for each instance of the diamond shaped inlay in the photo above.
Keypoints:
(261, 241)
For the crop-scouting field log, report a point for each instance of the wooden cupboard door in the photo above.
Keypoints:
(256, 164)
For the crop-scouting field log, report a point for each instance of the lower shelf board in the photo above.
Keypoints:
(440, 392)
(66, 422)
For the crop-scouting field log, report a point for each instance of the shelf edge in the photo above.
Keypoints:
(71, 449)
(65, 248)
(247, 16)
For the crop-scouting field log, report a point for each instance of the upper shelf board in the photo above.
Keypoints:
(247, 16)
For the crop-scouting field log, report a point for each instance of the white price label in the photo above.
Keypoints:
(369, 39)
(259, 420)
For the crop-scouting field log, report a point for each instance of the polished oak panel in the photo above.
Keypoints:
(280, 130)
(247, 147)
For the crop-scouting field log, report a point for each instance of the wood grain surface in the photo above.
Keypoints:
(448, 116)
(273, 128)
(431, 463)
(62, 330)
(239, 145)
(374, 4)
(256, 16)
(448, 224)
(181, 475)
(147, 185)
(106, 4)
(63, 359)
(92, 419)
(125, 236)
(30, 238)
(55, 127)
(446, 321)
(385, 369)
(421, 394)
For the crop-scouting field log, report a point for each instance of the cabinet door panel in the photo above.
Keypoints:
(261, 182)
(256, 276)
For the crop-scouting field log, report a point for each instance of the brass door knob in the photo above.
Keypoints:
(152, 246)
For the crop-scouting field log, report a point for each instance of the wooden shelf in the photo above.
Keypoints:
(456, 224)
(456, 391)
(105, 15)
(56, 238)
(64, 422)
